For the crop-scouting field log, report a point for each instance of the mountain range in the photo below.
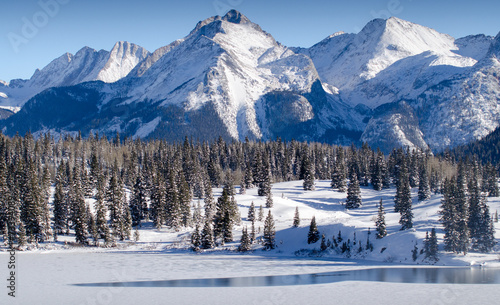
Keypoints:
(395, 83)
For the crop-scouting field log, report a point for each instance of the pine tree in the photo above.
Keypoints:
(173, 209)
(245, 243)
(323, 246)
(114, 199)
(269, 232)
(431, 246)
(209, 201)
(313, 235)
(309, 172)
(21, 237)
(449, 216)
(137, 235)
(353, 200)
(480, 225)
(402, 200)
(138, 203)
(196, 238)
(269, 200)
(101, 210)
(207, 236)
(251, 213)
(380, 223)
(424, 191)
(296, 218)
(261, 214)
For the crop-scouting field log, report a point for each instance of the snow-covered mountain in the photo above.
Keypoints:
(69, 70)
(227, 77)
(395, 83)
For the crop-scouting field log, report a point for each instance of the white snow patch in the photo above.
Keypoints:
(147, 128)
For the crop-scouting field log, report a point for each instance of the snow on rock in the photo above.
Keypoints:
(3, 95)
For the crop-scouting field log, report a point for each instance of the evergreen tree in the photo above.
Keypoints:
(353, 200)
(402, 200)
(380, 223)
(114, 199)
(261, 214)
(339, 175)
(173, 211)
(424, 191)
(209, 201)
(269, 232)
(245, 243)
(296, 218)
(269, 200)
(196, 238)
(207, 236)
(309, 172)
(101, 210)
(138, 203)
(323, 246)
(251, 213)
(313, 235)
(431, 246)
(481, 232)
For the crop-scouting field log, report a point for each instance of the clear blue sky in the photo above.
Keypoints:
(73, 24)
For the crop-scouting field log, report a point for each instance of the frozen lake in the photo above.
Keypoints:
(50, 278)
(421, 275)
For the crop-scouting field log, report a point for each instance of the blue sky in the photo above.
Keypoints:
(62, 26)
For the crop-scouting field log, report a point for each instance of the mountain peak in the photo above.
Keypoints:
(234, 16)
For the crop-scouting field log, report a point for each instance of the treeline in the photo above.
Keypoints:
(486, 150)
(45, 185)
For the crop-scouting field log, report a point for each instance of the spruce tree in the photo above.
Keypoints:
(138, 203)
(209, 201)
(402, 200)
(269, 200)
(196, 238)
(296, 218)
(245, 242)
(424, 191)
(353, 200)
(251, 213)
(309, 172)
(269, 232)
(313, 235)
(261, 214)
(323, 246)
(380, 223)
(207, 236)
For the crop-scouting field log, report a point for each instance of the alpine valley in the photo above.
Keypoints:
(393, 84)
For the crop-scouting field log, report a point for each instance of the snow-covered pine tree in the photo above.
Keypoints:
(432, 246)
(479, 221)
(173, 212)
(296, 218)
(402, 200)
(209, 201)
(114, 199)
(245, 242)
(424, 191)
(309, 171)
(251, 212)
(269, 232)
(449, 215)
(313, 235)
(185, 202)
(207, 235)
(261, 214)
(380, 223)
(353, 200)
(323, 246)
(269, 200)
(138, 201)
(196, 238)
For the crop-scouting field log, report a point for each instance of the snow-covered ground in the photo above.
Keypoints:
(47, 275)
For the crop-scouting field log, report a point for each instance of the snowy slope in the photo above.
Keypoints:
(466, 108)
